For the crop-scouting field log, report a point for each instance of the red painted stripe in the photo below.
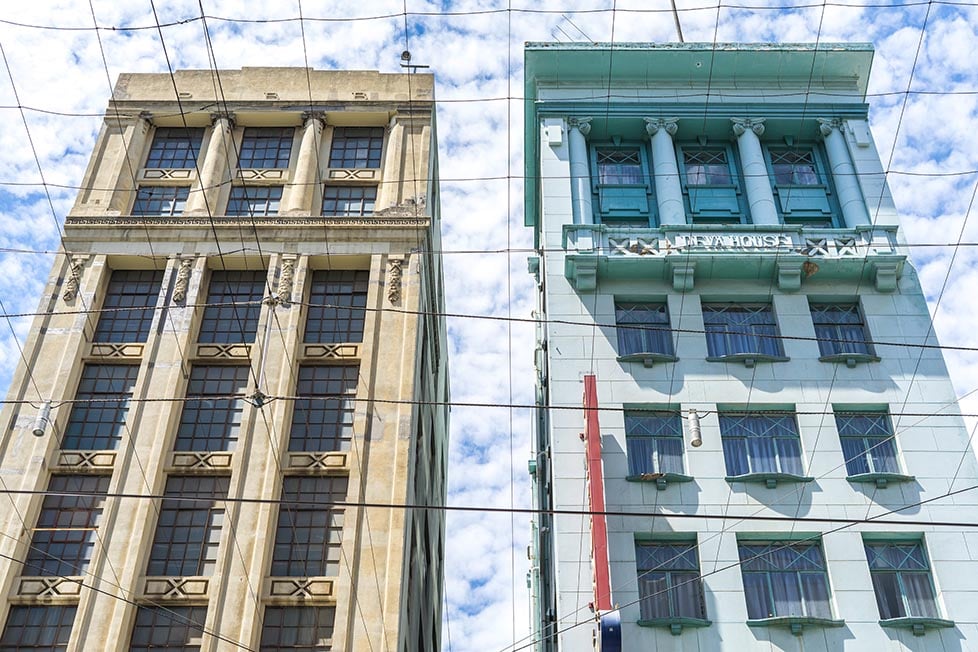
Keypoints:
(595, 480)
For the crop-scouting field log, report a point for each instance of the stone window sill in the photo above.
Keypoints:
(647, 358)
(918, 624)
(880, 479)
(661, 480)
(675, 624)
(770, 480)
(796, 624)
(748, 358)
(850, 359)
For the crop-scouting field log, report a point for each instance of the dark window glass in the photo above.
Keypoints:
(160, 200)
(297, 628)
(179, 629)
(266, 147)
(620, 166)
(901, 579)
(793, 167)
(707, 167)
(99, 418)
(655, 442)
(336, 306)
(784, 578)
(38, 628)
(760, 442)
(643, 328)
(212, 412)
(254, 201)
(839, 328)
(175, 147)
(356, 147)
(127, 310)
(233, 305)
(188, 533)
(64, 538)
(310, 531)
(737, 328)
(867, 442)
(322, 417)
(349, 201)
(669, 581)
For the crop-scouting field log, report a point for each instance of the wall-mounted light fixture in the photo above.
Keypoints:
(695, 435)
(41, 421)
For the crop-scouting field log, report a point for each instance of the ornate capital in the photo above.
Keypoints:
(229, 117)
(183, 280)
(742, 125)
(583, 125)
(652, 125)
(314, 115)
(826, 125)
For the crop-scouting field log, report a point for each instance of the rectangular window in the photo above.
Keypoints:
(322, 416)
(655, 442)
(760, 442)
(310, 528)
(356, 147)
(175, 147)
(188, 533)
(643, 328)
(99, 418)
(733, 329)
(707, 167)
(266, 147)
(64, 538)
(179, 629)
(337, 300)
(127, 310)
(160, 200)
(620, 166)
(233, 305)
(794, 167)
(784, 578)
(669, 581)
(620, 184)
(212, 412)
(285, 629)
(867, 442)
(901, 579)
(41, 628)
(349, 201)
(254, 201)
(840, 329)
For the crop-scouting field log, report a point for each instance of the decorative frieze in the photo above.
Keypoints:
(86, 460)
(116, 350)
(331, 351)
(329, 461)
(49, 587)
(229, 351)
(353, 174)
(176, 587)
(234, 223)
(201, 461)
(301, 589)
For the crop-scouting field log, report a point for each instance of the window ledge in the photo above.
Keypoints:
(795, 623)
(919, 624)
(851, 359)
(648, 358)
(748, 358)
(675, 624)
(770, 479)
(880, 479)
(661, 480)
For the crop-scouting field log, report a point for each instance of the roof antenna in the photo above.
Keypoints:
(675, 16)
(406, 62)
(583, 33)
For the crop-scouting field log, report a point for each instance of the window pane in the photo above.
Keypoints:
(233, 305)
(349, 201)
(211, 414)
(707, 167)
(127, 310)
(867, 442)
(322, 418)
(901, 579)
(840, 329)
(254, 201)
(297, 628)
(41, 628)
(189, 527)
(669, 580)
(654, 442)
(793, 167)
(356, 147)
(620, 166)
(784, 578)
(175, 147)
(643, 328)
(160, 200)
(758, 442)
(99, 417)
(168, 628)
(888, 597)
(266, 147)
(337, 302)
(64, 538)
(733, 329)
(310, 528)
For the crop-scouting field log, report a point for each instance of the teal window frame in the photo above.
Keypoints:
(799, 202)
(643, 328)
(868, 449)
(623, 203)
(715, 202)
(780, 574)
(911, 561)
(654, 441)
(670, 569)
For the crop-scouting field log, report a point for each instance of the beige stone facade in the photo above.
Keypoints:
(319, 188)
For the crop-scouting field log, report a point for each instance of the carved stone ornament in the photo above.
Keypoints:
(74, 278)
(583, 124)
(230, 118)
(652, 125)
(742, 125)
(183, 280)
(394, 279)
(826, 125)
(286, 279)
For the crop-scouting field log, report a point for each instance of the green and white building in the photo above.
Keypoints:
(767, 419)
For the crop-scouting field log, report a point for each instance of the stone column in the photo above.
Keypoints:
(298, 195)
(215, 171)
(843, 173)
(108, 186)
(665, 170)
(757, 182)
(578, 129)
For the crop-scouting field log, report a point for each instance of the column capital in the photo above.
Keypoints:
(229, 117)
(652, 125)
(743, 125)
(314, 115)
(583, 125)
(827, 125)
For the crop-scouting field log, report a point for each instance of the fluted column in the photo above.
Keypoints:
(665, 170)
(757, 182)
(578, 129)
(299, 194)
(215, 171)
(843, 173)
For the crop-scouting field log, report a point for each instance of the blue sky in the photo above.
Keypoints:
(475, 50)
